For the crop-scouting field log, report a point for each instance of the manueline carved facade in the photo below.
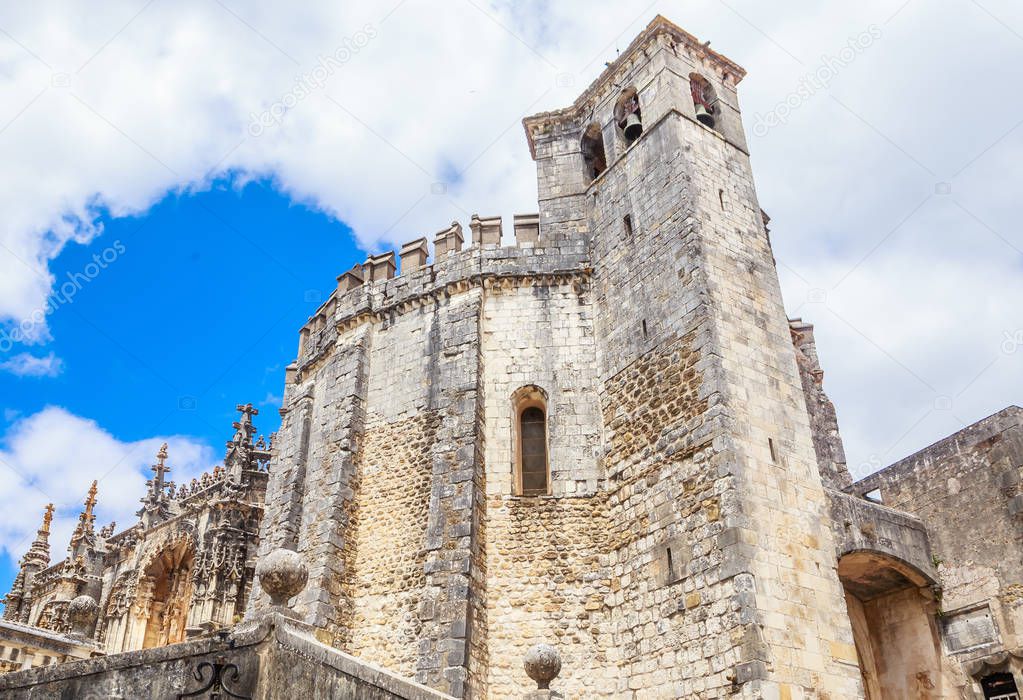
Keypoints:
(184, 568)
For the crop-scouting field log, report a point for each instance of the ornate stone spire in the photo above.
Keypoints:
(41, 547)
(244, 454)
(36, 559)
(90, 501)
(84, 532)
(155, 504)
(160, 468)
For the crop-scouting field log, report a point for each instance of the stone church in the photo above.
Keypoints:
(597, 462)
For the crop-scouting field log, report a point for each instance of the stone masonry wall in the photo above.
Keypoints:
(678, 624)
(784, 509)
(692, 262)
(541, 334)
(394, 478)
(380, 467)
(310, 496)
(545, 557)
(548, 581)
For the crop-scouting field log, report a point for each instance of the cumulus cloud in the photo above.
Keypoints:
(398, 117)
(53, 456)
(28, 365)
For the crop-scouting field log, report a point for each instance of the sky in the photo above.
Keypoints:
(181, 183)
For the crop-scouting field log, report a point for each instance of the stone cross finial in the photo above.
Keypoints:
(244, 427)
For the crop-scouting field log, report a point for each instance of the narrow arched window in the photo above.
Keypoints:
(628, 115)
(533, 451)
(532, 465)
(594, 156)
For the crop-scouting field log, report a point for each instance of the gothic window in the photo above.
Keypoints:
(704, 100)
(533, 468)
(594, 156)
(629, 116)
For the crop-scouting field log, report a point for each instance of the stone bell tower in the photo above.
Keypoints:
(593, 439)
(726, 570)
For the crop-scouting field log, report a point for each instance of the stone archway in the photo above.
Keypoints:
(165, 592)
(891, 607)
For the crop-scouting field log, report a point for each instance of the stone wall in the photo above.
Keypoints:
(263, 660)
(548, 581)
(541, 334)
(390, 525)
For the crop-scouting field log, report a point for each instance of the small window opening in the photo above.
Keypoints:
(14, 653)
(774, 451)
(721, 199)
(704, 100)
(999, 686)
(629, 116)
(592, 147)
(671, 567)
(627, 222)
(534, 451)
(645, 334)
(874, 496)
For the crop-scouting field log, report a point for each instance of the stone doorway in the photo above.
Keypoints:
(891, 610)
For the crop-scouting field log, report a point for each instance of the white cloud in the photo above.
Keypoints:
(108, 108)
(53, 456)
(28, 365)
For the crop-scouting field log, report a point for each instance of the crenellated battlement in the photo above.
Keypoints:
(380, 285)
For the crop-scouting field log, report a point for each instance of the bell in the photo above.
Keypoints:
(704, 117)
(633, 127)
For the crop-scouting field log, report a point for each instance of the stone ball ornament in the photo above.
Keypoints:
(81, 613)
(282, 574)
(543, 664)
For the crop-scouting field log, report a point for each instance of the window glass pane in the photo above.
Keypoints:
(533, 451)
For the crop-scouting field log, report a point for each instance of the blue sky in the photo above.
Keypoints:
(200, 309)
(886, 141)
(199, 313)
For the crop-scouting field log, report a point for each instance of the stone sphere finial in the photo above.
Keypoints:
(282, 574)
(543, 664)
(81, 613)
